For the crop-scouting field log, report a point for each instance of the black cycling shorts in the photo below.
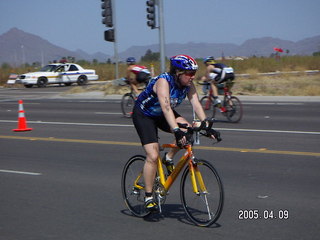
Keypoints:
(227, 77)
(147, 127)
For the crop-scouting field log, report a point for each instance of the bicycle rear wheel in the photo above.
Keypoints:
(202, 208)
(132, 185)
(127, 103)
(234, 109)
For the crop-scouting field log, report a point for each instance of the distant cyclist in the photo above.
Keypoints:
(136, 74)
(216, 73)
(155, 108)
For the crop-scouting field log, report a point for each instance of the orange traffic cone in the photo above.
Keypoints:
(22, 122)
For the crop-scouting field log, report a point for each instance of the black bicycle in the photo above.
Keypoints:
(127, 103)
(128, 99)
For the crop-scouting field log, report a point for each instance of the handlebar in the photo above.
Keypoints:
(202, 127)
(192, 129)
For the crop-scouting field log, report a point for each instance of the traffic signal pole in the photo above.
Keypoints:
(161, 36)
(151, 22)
(110, 35)
(116, 55)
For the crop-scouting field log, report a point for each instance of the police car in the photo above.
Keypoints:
(66, 73)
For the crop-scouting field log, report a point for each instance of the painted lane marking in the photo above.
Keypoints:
(76, 124)
(108, 113)
(267, 131)
(130, 125)
(244, 150)
(273, 103)
(20, 172)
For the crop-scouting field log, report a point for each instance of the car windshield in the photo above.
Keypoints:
(49, 68)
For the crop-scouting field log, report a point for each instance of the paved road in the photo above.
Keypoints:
(65, 173)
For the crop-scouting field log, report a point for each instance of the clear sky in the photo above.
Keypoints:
(76, 24)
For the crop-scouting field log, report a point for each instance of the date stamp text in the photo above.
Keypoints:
(255, 214)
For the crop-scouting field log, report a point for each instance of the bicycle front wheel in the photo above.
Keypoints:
(234, 109)
(127, 103)
(132, 185)
(205, 206)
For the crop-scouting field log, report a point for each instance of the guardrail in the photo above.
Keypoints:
(308, 72)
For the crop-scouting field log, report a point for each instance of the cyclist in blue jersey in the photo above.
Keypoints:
(155, 108)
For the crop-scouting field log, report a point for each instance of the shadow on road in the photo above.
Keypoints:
(174, 211)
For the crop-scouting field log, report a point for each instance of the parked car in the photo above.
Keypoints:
(66, 73)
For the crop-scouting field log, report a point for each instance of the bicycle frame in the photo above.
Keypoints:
(201, 193)
(226, 92)
(194, 171)
(195, 174)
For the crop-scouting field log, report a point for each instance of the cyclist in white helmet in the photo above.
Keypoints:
(216, 73)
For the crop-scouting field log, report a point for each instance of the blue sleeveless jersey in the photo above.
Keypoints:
(148, 101)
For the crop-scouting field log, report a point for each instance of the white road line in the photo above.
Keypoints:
(267, 131)
(130, 125)
(19, 172)
(77, 124)
(272, 103)
(109, 113)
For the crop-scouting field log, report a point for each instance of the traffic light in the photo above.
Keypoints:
(151, 13)
(107, 13)
(109, 35)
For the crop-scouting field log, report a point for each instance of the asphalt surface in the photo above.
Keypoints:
(62, 179)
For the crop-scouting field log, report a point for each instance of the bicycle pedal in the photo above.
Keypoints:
(136, 192)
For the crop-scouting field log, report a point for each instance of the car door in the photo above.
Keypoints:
(73, 73)
(62, 77)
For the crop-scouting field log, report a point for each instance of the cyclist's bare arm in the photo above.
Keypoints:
(209, 70)
(194, 99)
(131, 80)
(196, 105)
(161, 88)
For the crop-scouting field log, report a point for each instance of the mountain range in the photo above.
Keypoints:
(17, 46)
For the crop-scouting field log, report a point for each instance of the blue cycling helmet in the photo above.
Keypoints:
(131, 60)
(209, 60)
(183, 62)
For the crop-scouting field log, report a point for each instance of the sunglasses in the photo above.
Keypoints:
(190, 73)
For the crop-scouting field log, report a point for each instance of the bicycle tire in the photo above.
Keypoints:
(132, 196)
(206, 104)
(234, 109)
(200, 213)
(127, 104)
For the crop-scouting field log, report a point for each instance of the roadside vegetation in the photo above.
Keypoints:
(286, 83)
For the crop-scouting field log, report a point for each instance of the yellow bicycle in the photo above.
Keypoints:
(201, 189)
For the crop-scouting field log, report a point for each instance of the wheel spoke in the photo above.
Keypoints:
(127, 104)
(234, 109)
(133, 186)
(205, 207)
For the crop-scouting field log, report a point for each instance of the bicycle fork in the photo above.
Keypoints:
(196, 179)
